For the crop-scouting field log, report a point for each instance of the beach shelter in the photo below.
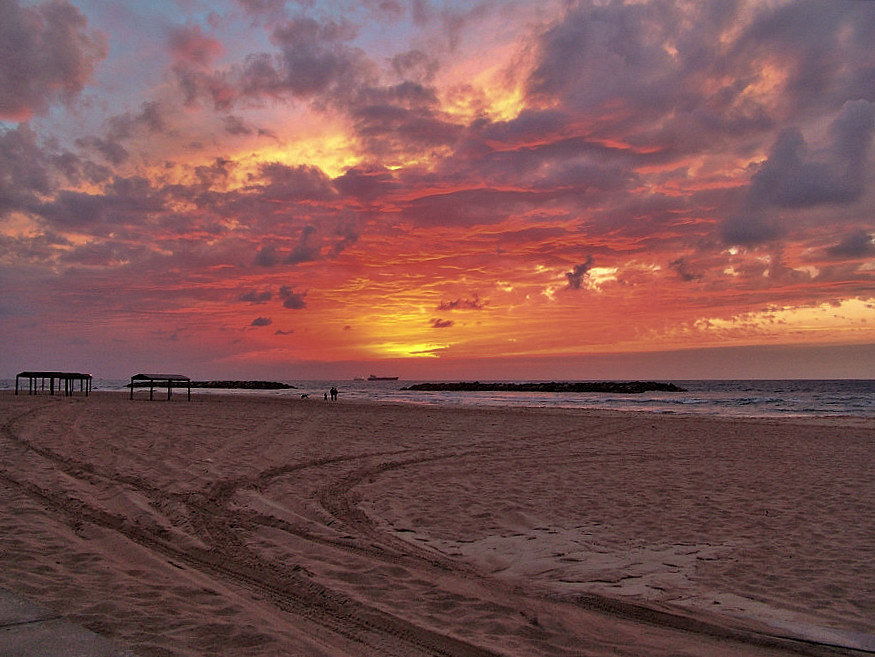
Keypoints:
(160, 381)
(69, 380)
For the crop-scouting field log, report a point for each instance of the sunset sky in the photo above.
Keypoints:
(438, 188)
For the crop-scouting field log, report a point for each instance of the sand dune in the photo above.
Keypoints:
(260, 526)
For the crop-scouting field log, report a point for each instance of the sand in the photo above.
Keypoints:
(261, 526)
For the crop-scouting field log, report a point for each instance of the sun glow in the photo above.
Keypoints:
(332, 153)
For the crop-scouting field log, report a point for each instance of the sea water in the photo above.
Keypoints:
(752, 398)
(804, 398)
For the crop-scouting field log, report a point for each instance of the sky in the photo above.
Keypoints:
(438, 189)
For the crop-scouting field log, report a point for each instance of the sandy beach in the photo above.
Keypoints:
(234, 525)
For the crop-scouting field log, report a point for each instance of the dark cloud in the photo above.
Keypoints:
(664, 75)
(122, 127)
(313, 58)
(306, 250)
(471, 207)
(46, 54)
(103, 254)
(347, 235)
(815, 41)
(123, 201)
(599, 54)
(311, 246)
(254, 296)
(110, 149)
(234, 125)
(683, 269)
(36, 249)
(475, 303)
(195, 83)
(400, 119)
(291, 299)
(415, 65)
(856, 244)
(281, 332)
(261, 321)
(578, 273)
(288, 183)
(26, 169)
(791, 177)
(528, 125)
(266, 257)
(366, 183)
(750, 229)
(150, 117)
(259, 6)
(212, 174)
(441, 323)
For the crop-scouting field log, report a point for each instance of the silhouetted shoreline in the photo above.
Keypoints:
(243, 385)
(622, 387)
(227, 385)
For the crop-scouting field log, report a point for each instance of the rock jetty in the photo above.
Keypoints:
(243, 385)
(619, 387)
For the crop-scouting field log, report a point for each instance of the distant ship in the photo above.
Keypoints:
(372, 377)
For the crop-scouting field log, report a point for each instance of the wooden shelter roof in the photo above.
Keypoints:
(160, 377)
(56, 375)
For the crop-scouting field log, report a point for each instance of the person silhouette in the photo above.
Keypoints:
(333, 393)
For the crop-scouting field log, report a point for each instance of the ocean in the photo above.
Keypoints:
(753, 398)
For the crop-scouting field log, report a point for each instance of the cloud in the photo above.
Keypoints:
(305, 250)
(293, 183)
(261, 321)
(48, 54)
(578, 273)
(258, 6)
(475, 303)
(791, 177)
(253, 296)
(113, 151)
(366, 183)
(291, 299)
(402, 118)
(281, 332)
(696, 77)
(188, 45)
(266, 256)
(234, 125)
(856, 244)
(27, 169)
(683, 269)
(438, 323)
(100, 254)
(123, 201)
(794, 178)
(415, 65)
(815, 41)
(312, 59)
(347, 234)
(750, 229)
(470, 207)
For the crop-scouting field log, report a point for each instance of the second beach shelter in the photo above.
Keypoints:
(161, 381)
